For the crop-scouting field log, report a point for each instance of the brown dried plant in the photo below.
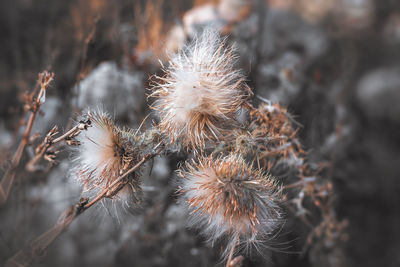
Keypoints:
(33, 103)
(275, 134)
(25, 256)
(111, 184)
(47, 149)
(198, 101)
(105, 152)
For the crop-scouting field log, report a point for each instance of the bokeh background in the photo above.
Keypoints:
(335, 64)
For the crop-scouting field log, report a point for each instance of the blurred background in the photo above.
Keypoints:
(335, 64)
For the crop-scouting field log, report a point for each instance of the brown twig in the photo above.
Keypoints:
(110, 189)
(8, 179)
(46, 148)
(36, 248)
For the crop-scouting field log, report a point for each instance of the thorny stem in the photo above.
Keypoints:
(36, 248)
(8, 179)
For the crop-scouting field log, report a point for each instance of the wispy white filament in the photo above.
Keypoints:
(201, 90)
(97, 162)
(227, 198)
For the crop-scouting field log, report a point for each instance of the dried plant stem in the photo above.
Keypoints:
(107, 190)
(36, 248)
(72, 131)
(8, 179)
(49, 143)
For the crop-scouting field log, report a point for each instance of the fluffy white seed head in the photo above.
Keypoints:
(104, 151)
(200, 92)
(227, 198)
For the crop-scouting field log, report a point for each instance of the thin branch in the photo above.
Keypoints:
(46, 148)
(73, 131)
(8, 179)
(110, 188)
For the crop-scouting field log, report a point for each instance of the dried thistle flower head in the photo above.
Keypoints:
(273, 119)
(227, 197)
(103, 153)
(200, 92)
(274, 129)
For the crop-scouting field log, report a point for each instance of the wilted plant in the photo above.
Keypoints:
(33, 102)
(275, 135)
(227, 187)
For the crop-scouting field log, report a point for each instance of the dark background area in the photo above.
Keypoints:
(334, 64)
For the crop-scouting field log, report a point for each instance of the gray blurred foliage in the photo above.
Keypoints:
(115, 90)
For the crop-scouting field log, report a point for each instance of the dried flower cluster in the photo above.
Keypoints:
(203, 105)
(198, 100)
(228, 197)
(200, 93)
(274, 133)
